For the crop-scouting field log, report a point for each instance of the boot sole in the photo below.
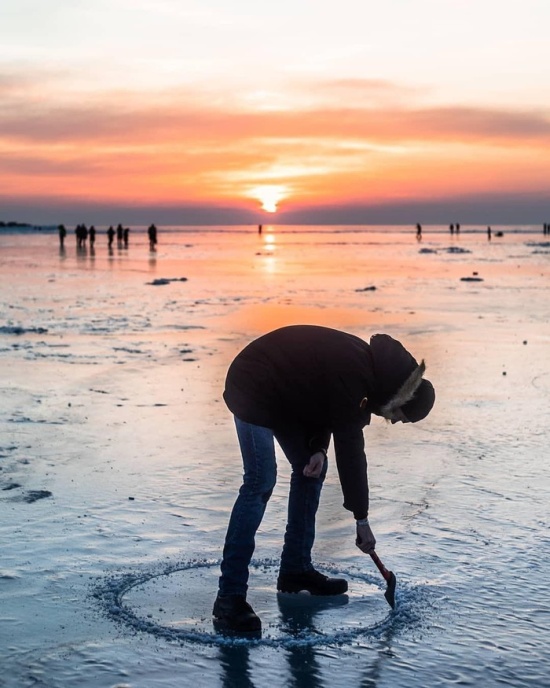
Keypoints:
(297, 590)
(223, 628)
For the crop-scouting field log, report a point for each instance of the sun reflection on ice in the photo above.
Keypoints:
(270, 261)
(270, 240)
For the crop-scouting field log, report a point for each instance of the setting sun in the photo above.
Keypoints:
(269, 196)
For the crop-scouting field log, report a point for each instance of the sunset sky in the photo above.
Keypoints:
(213, 111)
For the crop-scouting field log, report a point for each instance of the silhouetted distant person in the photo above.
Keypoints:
(111, 235)
(81, 232)
(452, 229)
(545, 229)
(126, 234)
(489, 233)
(260, 229)
(62, 234)
(152, 233)
(119, 233)
(91, 234)
(418, 231)
(457, 227)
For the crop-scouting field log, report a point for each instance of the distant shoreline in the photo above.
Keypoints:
(12, 223)
(430, 229)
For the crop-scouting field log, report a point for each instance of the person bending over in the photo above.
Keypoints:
(301, 385)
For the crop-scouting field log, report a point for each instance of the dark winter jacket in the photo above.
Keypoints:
(326, 381)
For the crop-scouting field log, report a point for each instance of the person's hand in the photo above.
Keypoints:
(365, 538)
(315, 466)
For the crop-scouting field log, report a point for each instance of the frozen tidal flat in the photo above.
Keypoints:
(118, 462)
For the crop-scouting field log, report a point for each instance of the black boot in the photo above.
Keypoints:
(311, 581)
(233, 613)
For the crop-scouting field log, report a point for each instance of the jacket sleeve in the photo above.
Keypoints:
(351, 461)
(319, 440)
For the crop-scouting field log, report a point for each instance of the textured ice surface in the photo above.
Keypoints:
(110, 406)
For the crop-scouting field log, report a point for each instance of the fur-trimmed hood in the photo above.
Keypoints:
(398, 380)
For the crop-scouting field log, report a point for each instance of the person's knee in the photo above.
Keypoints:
(260, 483)
(267, 484)
(266, 496)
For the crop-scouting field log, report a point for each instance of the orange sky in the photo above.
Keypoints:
(121, 122)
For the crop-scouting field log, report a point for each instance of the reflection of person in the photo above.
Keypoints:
(300, 385)
(235, 664)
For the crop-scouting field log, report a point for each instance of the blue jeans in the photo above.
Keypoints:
(260, 475)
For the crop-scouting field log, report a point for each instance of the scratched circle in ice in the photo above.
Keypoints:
(542, 382)
(176, 601)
